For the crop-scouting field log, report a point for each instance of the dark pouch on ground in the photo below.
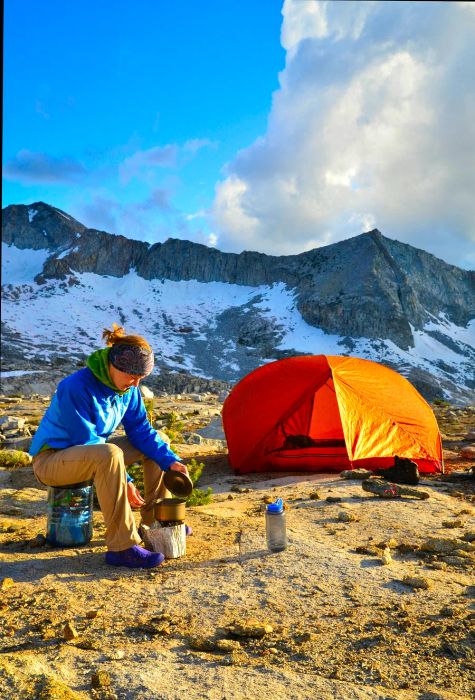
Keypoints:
(404, 471)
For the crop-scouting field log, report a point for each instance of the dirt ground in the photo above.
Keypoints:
(327, 618)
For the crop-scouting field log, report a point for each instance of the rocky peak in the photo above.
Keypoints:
(366, 286)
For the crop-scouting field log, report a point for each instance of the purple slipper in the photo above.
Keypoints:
(188, 530)
(135, 558)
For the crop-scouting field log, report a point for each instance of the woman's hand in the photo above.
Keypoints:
(133, 495)
(179, 467)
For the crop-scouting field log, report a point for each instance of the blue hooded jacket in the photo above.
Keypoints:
(84, 411)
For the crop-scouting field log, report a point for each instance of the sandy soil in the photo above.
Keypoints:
(326, 618)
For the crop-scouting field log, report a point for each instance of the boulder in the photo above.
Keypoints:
(147, 393)
(10, 423)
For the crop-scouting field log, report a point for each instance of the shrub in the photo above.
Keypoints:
(199, 497)
(173, 426)
(148, 403)
(14, 459)
(195, 470)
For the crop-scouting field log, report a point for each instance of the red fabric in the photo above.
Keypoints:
(376, 411)
(313, 459)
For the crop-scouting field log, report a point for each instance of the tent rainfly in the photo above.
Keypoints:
(328, 413)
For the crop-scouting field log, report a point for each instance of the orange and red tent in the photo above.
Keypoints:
(353, 412)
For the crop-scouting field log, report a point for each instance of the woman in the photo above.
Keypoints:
(71, 444)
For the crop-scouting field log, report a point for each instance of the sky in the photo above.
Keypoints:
(276, 126)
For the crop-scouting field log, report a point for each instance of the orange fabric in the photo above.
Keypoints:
(377, 411)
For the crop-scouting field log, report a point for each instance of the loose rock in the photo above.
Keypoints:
(70, 632)
(417, 582)
(250, 628)
(100, 679)
(345, 517)
(6, 583)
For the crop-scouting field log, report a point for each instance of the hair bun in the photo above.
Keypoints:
(115, 335)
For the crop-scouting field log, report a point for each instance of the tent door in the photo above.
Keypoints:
(324, 420)
(317, 416)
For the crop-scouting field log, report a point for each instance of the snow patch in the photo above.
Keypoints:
(67, 252)
(19, 373)
(176, 316)
(20, 266)
(65, 216)
(31, 214)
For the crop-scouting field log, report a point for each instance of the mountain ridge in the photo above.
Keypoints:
(368, 292)
(338, 285)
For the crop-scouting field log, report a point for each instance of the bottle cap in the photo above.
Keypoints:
(277, 507)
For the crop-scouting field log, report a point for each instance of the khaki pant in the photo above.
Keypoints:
(106, 464)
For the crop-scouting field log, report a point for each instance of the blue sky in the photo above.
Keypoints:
(272, 126)
(90, 85)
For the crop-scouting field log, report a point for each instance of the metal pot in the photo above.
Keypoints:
(170, 509)
(179, 484)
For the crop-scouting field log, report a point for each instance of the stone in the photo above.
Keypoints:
(100, 679)
(454, 561)
(250, 628)
(6, 583)
(444, 545)
(346, 517)
(468, 452)
(386, 557)
(449, 611)
(453, 523)
(202, 643)
(118, 654)
(333, 499)
(163, 436)
(391, 543)
(11, 423)
(52, 689)
(192, 438)
(439, 565)
(314, 496)
(369, 549)
(418, 582)
(227, 645)
(18, 443)
(37, 542)
(147, 393)
(355, 474)
(386, 489)
(70, 632)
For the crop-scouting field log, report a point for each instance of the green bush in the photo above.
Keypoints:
(173, 426)
(195, 470)
(441, 402)
(148, 403)
(199, 497)
(14, 459)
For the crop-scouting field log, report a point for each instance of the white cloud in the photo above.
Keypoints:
(194, 145)
(373, 126)
(143, 162)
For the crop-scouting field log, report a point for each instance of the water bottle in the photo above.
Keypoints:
(69, 514)
(275, 526)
